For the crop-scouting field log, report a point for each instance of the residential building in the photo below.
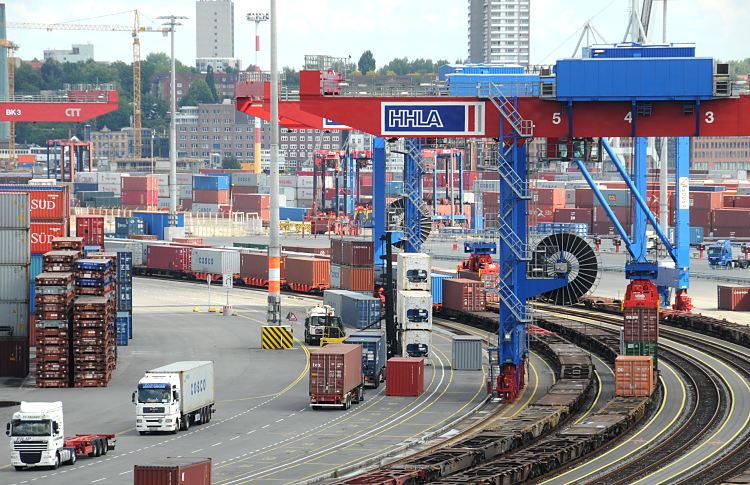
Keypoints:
(499, 31)
(214, 35)
(112, 145)
(77, 53)
(298, 145)
(208, 131)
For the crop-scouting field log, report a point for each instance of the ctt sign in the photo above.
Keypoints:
(432, 118)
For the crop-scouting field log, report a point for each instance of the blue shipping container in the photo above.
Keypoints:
(478, 85)
(129, 225)
(634, 79)
(32, 297)
(156, 222)
(479, 68)
(296, 214)
(37, 264)
(632, 49)
(123, 322)
(708, 188)
(124, 267)
(210, 182)
(373, 354)
(437, 287)
(360, 311)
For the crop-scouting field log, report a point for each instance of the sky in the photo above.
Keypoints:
(435, 29)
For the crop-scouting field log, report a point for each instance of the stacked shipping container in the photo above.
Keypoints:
(210, 193)
(54, 305)
(641, 320)
(140, 191)
(352, 265)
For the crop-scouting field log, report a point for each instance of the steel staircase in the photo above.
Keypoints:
(523, 128)
(505, 167)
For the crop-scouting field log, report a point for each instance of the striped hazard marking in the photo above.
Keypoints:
(276, 336)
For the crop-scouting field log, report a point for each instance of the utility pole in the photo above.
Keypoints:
(663, 157)
(274, 252)
(172, 22)
(257, 18)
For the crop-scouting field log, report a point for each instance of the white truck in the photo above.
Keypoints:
(174, 396)
(37, 440)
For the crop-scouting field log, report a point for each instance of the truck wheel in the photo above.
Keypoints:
(103, 444)
(72, 460)
(97, 449)
(142, 433)
(20, 468)
(57, 461)
(185, 422)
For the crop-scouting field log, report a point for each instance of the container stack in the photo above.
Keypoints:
(641, 320)
(634, 376)
(123, 277)
(94, 346)
(414, 303)
(55, 293)
(259, 204)
(210, 193)
(14, 284)
(91, 229)
(126, 226)
(140, 192)
(352, 265)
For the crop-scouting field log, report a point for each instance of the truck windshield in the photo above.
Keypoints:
(714, 251)
(31, 428)
(154, 393)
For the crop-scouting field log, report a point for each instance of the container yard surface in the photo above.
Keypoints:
(263, 431)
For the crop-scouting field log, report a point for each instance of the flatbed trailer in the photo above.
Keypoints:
(91, 444)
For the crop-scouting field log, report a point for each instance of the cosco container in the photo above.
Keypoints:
(174, 471)
(404, 376)
(414, 271)
(733, 298)
(216, 261)
(14, 210)
(466, 352)
(414, 309)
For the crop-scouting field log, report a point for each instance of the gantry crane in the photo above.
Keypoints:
(135, 30)
(11, 48)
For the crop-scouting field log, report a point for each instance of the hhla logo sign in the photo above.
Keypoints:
(414, 118)
(438, 118)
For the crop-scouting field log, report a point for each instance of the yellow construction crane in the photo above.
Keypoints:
(135, 30)
(11, 48)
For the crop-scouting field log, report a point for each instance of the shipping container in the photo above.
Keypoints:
(15, 246)
(335, 276)
(733, 298)
(91, 229)
(294, 214)
(253, 203)
(211, 196)
(15, 316)
(174, 471)
(210, 182)
(416, 343)
(578, 216)
(50, 203)
(335, 375)
(14, 283)
(254, 268)
(414, 309)
(14, 357)
(360, 311)
(437, 287)
(156, 222)
(357, 279)
(640, 324)
(414, 271)
(306, 274)
(374, 355)
(124, 226)
(41, 235)
(169, 258)
(404, 376)
(216, 261)
(14, 210)
(466, 352)
(352, 252)
(140, 183)
(463, 295)
(634, 376)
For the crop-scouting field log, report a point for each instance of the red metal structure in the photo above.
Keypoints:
(73, 106)
(91, 444)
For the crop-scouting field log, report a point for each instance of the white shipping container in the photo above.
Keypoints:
(282, 200)
(414, 309)
(302, 202)
(306, 182)
(15, 244)
(570, 197)
(184, 191)
(114, 188)
(87, 177)
(14, 283)
(110, 177)
(185, 179)
(416, 342)
(163, 203)
(249, 179)
(335, 276)
(163, 179)
(288, 192)
(469, 197)
(287, 181)
(132, 245)
(306, 194)
(163, 190)
(486, 186)
(216, 261)
(196, 380)
(14, 210)
(202, 207)
(414, 271)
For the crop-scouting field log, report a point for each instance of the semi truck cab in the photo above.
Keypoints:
(37, 436)
(157, 401)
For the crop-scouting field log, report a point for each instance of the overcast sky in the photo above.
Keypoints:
(390, 28)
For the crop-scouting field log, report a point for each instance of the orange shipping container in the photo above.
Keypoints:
(357, 279)
(634, 376)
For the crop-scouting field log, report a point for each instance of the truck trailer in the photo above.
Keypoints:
(174, 396)
(374, 357)
(336, 376)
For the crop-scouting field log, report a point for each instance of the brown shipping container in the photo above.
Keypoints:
(634, 376)
(335, 370)
(463, 295)
(729, 218)
(307, 272)
(175, 258)
(352, 252)
(573, 215)
(706, 200)
(641, 324)
(175, 471)
(255, 265)
(211, 196)
(258, 203)
(357, 279)
(733, 298)
(148, 183)
(404, 376)
(584, 198)
(731, 232)
(244, 189)
(14, 356)
(553, 197)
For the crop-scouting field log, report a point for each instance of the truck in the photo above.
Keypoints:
(720, 256)
(172, 397)
(36, 434)
(318, 322)
(373, 355)
(336, 378)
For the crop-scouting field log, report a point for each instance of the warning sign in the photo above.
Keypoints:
(291, 317)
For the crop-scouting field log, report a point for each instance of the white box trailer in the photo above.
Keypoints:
(216, 261)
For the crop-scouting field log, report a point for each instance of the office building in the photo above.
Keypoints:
(214, 35)
(499, 31)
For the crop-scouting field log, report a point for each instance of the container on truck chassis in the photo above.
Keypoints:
(36, 433)
(174, 396)
(336, 376)
(373, 355)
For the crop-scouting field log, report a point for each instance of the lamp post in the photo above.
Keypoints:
(257, 17)
(274, 250)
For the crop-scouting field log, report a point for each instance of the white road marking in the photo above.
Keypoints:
(251, 432)
(264, 427)
(98, 480)
(216, 444)
(125, 473)
(197, 451)
(280, 420)
(232, 439)
(293, 414)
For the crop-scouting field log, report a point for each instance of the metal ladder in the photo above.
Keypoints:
(523, 128)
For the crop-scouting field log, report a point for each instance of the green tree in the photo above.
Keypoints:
(28, 79)
(291, 77)
(366, 62)
(199, 92)
(211, 83)
(52, 75)
(230, 162)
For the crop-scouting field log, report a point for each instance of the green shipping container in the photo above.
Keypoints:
(642, 349)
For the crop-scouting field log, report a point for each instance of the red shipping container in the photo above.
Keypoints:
(365, 190)
(706, 200)
(211, 196)
(306, 274)
(623, 214)
(728, 218)
(182, 471)
(91, 229)
(606, 228)
(187, 204)
(335, 371)
(244, 190)
(584, 197)
(258, 203)
(733, 298)
(352, 252)
(41, 235)
(731, 231)
(740, 201)
(551, 197)
(573, 216)
(640, 324)
(45, 205)
(404, 376)
(463, 295)
(357, 279)
(729, 200)
(170, 258)
(14, 356)
(141, 183)
(542, 213)
(634, 376)
(254, 267)
(139, 198)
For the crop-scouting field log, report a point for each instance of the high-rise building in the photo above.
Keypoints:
(499, 31)
(214, 35)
